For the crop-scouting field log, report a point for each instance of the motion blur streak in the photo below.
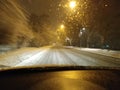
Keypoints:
(14, 28)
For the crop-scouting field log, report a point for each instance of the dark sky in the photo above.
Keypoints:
(37, 6)
(40, 7)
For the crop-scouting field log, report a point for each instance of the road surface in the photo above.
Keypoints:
(53, 55)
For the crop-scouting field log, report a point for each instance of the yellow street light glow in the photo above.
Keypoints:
(72, 4)
(62, 26)
(58, 37)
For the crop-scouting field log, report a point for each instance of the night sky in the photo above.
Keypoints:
(41, 7)
(37, 6)
(105, 13)
(50, 7)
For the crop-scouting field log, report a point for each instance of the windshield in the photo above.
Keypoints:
(59, 33)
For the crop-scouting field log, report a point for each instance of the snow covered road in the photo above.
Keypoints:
(53, 55)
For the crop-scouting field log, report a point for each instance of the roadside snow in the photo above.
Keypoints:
(12, 58)
(111, 53)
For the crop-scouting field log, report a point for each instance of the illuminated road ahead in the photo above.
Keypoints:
(68, 56)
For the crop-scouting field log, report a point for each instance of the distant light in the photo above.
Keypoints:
(81, 33)
(106, 5)
(83, 28)
(107, 46)
(58, 37)
(72, 4)
(62, 26)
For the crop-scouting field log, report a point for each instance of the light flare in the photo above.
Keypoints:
(72, 4)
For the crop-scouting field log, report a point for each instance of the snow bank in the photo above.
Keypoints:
(12, 58)
(111, 53)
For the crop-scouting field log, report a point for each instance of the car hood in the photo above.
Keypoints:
(56, 68)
